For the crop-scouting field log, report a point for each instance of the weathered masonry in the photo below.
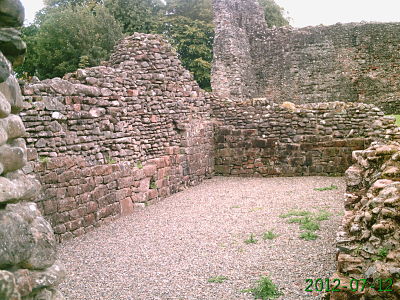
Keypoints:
(106, 140)
(28, 266)
(357, 62)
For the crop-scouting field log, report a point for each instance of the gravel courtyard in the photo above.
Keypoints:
(170, 249)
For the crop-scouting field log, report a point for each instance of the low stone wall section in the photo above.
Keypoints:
(263, 139)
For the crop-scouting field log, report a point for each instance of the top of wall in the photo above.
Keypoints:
(354, 62)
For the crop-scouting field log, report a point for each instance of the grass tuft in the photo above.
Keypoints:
(311, 226)
(265, 289)
(251, 239)
(327, 188)
(308, 236)
(269, 235)
(217, 279)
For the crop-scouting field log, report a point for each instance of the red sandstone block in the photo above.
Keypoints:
(68, 100)
(139, 197)
(162, 173)
(98, 180)
(84, 198)
(144, 185)
(126, 206)
(133, 93)
(73, 225)
(169, 150)
(122, 194)
(49, 207)
(77, 107)
(152, 194)
(176, 149)
(167, 160)
(164, 192)
(138, 174)
(72, 191)
(74, 214)
(150, 170)
(78, 232)
(49, 178)
(98, 192)
(63, 177)
(154, 118)
(125, 182)
(66, 204)
(91, 207)
(89, 220)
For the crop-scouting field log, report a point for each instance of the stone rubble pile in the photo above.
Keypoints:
(28, 266)
(369, 238)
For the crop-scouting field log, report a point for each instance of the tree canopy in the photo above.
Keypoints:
(68, 37)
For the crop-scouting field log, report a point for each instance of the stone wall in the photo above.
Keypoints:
(356, 62)
(28, 266)
(369, 237)
(104, 140)
(264, 139)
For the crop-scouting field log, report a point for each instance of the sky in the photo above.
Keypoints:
(309, 12)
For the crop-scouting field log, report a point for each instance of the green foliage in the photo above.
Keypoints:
(269, 235)
(327, 188)
(139, 165)
(309, 222)
(43, 159)
(153, 184)
(397, 119)
(136, 15)
(64, 36)
(273, 13)
(382, 253)
(310, 226)
(308, 236)
(110, 160)
(297, 213)
(59, 3)
(251, 240)
(217, 279)
(322, 215)
(265, 289)
(193, 41)
(200, 10)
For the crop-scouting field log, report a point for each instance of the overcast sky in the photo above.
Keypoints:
(310, 12)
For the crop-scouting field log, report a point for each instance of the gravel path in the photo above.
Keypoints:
(170, 249)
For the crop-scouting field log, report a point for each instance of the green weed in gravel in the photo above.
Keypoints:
(217, 279)
(311, 226)
(265, 289)
(295, 213)
(251, 240)
(269, 235)
(327, 188)
(308, 236)
(308, 222)
(322, 215)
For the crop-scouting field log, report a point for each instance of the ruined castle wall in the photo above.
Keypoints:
(264, 139)
(28, 250)
(368, 239)
(107, 139)
(356, 62)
